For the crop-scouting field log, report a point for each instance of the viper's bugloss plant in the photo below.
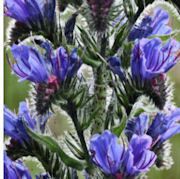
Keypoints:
(102, 65)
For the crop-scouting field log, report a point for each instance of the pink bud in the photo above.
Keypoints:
(119, 176)
(107, 3)
(163, 76)
(154, 81)
(53, 82)
(49, 91)
(94, 7)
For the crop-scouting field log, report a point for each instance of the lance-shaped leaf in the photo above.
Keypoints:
(118, 130)
(53, 146)
(119, 38)
(87, 60)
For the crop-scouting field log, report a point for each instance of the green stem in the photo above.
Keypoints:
(73, 114)
(100, 86)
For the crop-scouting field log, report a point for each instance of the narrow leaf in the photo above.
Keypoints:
(53, 146)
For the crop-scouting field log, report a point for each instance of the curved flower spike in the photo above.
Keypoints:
(150, 59)
(164, 126)
(151, 26)
(15, 170)
(106, 152)
(31, 12)
(29, 64)
(138, 157)
(99, 12)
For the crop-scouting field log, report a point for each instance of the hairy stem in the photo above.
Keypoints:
(100, 75)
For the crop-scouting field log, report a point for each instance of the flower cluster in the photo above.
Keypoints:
(120, 147)
(158, 25)
(115, 160)
(14, 125)
(15, 170)
(163, 127)
(150, 58)
(30, 64)
(33, 13)
(48, 72)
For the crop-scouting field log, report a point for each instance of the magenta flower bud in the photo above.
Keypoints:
(53, 82)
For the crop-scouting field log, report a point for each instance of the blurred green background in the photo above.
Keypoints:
(15, 92)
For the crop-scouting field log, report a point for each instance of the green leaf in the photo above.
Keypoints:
(87, 124)
(87, 39)
(76, 152)
(167, 37)
(120, 36)
(53, 146)
(118, 130)
(87, 60)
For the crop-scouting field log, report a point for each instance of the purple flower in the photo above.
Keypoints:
(115, 67)
(31, 12)
(15, 170)
(106, 152)
(138, 125)
(65, 65)
(150, 59)
(151, 26)
(14, 125)
(29, 64)
(138, 158)
(164, 126)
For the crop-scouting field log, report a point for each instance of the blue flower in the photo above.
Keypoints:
(138, 158)
(106, 152)
(65, 65)
(164, 126)
(15, 170)
(115, 67)
(14, 125)
(138, 125)
(31, 12)
(29, 64)
(150, 59)
(151, 26)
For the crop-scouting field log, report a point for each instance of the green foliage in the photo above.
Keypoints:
(54, 147)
